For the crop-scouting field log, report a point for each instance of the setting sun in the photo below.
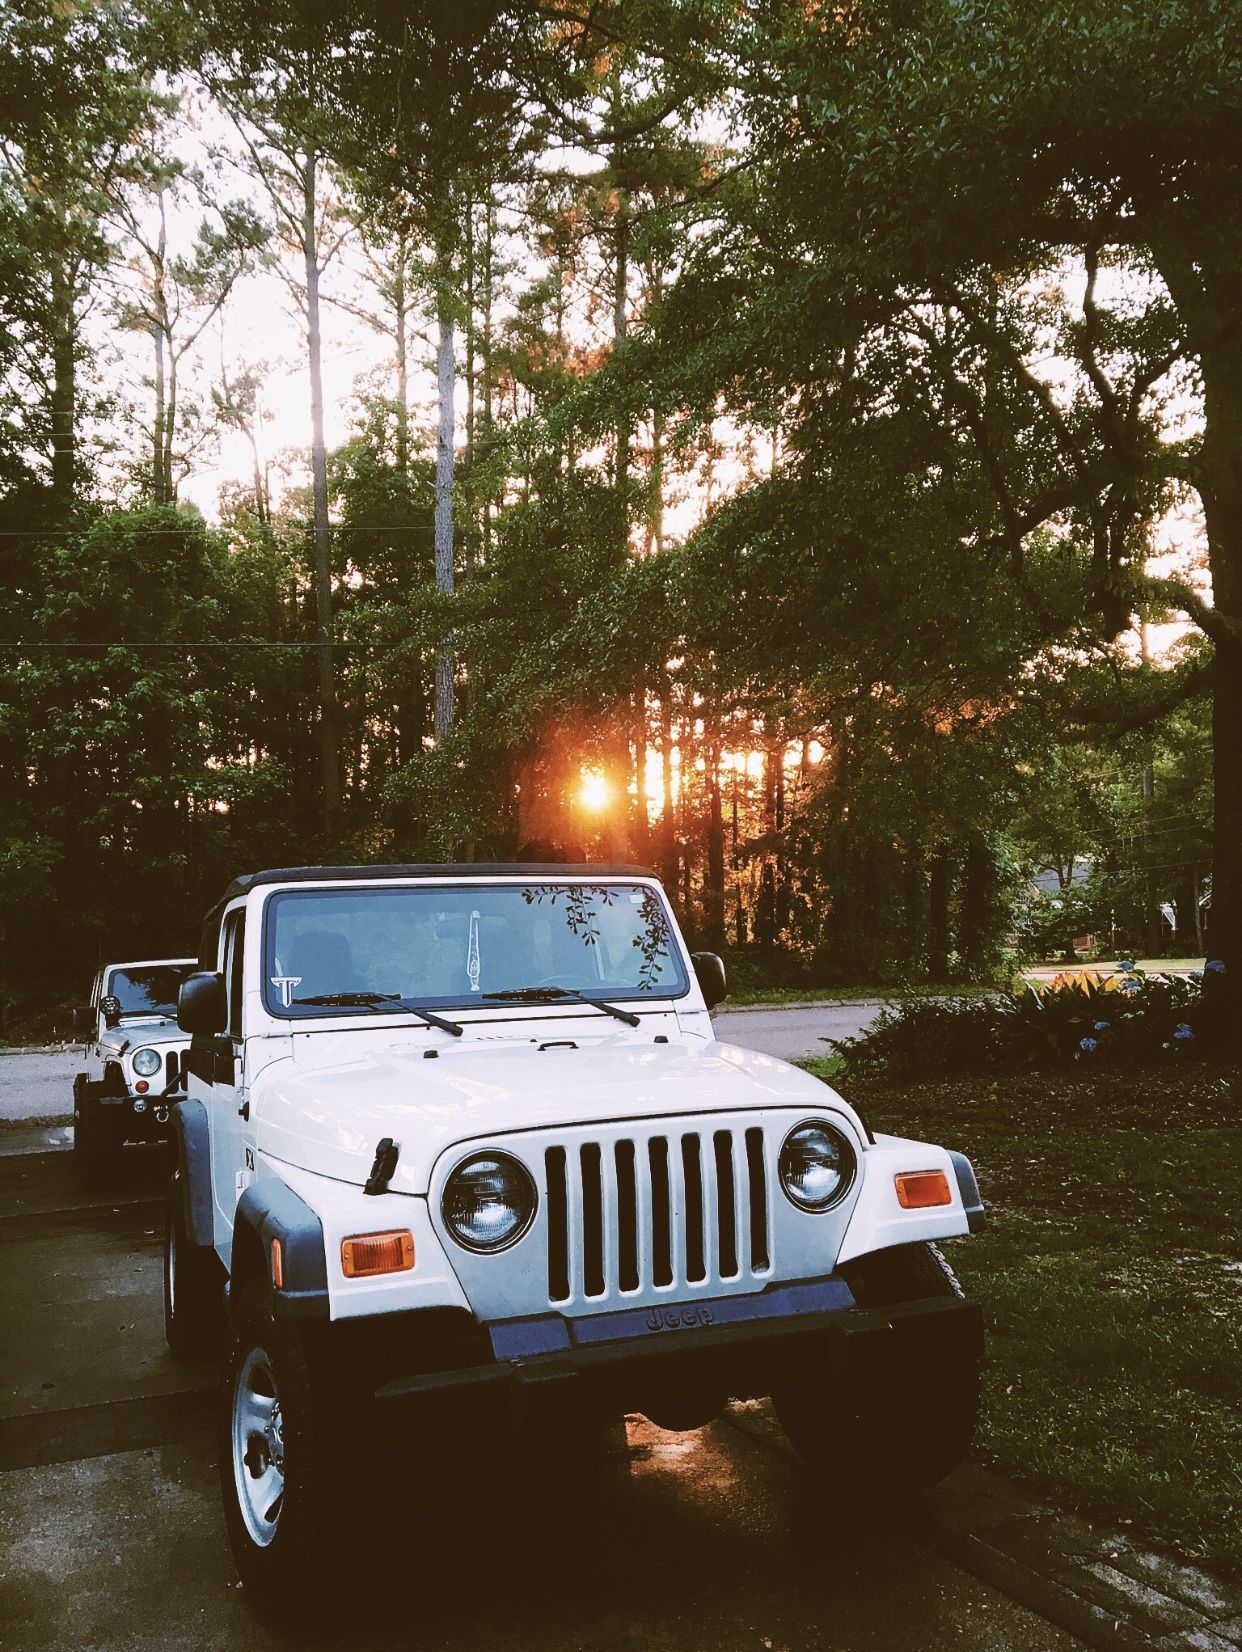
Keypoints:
(593, 792)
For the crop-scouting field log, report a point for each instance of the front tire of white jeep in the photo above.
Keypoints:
(279, 1450)
(193, 1284)
(867, 1439)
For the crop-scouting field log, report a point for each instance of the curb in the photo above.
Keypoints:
(805, 1004)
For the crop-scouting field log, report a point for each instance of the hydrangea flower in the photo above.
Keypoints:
(1126, 964)
(1215, 965)
(1131, 985)
(1183, 1031)
(1087, 1045)
(1101, 1026)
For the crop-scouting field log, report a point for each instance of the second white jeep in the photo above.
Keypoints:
(461, 1140)
(132, 1060)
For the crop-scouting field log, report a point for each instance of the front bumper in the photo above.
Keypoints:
(140, 1118)
(851, 1346)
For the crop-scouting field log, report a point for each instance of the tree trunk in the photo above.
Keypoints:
(329, 762)
(668, 818)
(1221, 493)
(938, 892)
(446, 384)
(620, 327)
(714, 890)
(64, 389)
(403, 362)
(157, 433)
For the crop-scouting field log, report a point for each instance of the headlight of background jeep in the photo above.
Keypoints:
(147, 1062)
(489, 1202)
(817, 1165)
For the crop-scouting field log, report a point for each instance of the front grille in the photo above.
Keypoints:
(173, 1063)
(665, 1211)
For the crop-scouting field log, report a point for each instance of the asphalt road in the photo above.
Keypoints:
(793, 1031)
(38, 1085)
(111, 1535)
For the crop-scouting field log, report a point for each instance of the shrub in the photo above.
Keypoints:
(1079, 1016)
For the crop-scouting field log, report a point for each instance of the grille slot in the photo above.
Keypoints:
(627, 1217)
(558, 1225)
(726, 1205)
(758, 1186)
(592, 1221)
(172, 1067)
(661, 1224)
(655, 1212)
(692, 1170)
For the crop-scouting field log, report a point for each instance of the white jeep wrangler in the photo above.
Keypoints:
(132, 1060)
(461, 1140)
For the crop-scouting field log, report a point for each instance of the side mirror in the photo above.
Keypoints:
(711, 973)
(202, 1005)
(111, 1008)
(84, 1020)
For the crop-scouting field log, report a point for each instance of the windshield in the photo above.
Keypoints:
(453, 944)
(151, 990)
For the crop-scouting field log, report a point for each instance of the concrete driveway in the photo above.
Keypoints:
(111, 1536)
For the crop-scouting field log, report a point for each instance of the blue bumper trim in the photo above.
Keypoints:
(551, 1333)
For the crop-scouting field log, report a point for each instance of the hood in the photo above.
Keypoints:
(132, 1035)
(326, 1113)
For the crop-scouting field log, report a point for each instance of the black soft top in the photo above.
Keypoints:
(434, 869)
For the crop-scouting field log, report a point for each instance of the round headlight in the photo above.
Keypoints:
(816, 1166)
(489, 1202)
(147, 1062)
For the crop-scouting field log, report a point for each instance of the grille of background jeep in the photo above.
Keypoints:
(668, 1210)
(173, 1063)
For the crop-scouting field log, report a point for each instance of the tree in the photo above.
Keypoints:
(939, 199)
(80, 96)
(178, 296)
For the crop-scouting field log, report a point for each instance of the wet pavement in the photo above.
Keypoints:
(111, 1535)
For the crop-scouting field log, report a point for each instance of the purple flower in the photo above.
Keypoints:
(1215, 966)
(1183, 1031)
(1101, 1026)
(1126, 964)
(1087, 1045)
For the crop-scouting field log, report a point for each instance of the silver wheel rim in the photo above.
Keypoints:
(258, 1447)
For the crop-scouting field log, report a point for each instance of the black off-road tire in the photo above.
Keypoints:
(292, 1572)
(193, 1285)
(884, 1437)
(96, 1144)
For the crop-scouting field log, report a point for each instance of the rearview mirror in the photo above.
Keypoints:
(202, 1006)
(711, 973)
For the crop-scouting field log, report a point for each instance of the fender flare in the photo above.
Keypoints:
(968, 1187)
(192, 1144)
(271, 1211)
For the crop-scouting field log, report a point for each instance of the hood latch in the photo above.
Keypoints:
(386, 1156)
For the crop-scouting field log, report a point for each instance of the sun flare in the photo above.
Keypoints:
(593, 791)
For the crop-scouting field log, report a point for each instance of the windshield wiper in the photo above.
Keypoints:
(378, 1001)
(551, 995)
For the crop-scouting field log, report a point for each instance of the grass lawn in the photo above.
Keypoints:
(1111, 1273)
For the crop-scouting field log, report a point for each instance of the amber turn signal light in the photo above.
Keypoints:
(278, 1264)
(366, 1254)
(920, 1189)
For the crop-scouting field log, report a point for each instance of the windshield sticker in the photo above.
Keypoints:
(286, 983)
(473, 965)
